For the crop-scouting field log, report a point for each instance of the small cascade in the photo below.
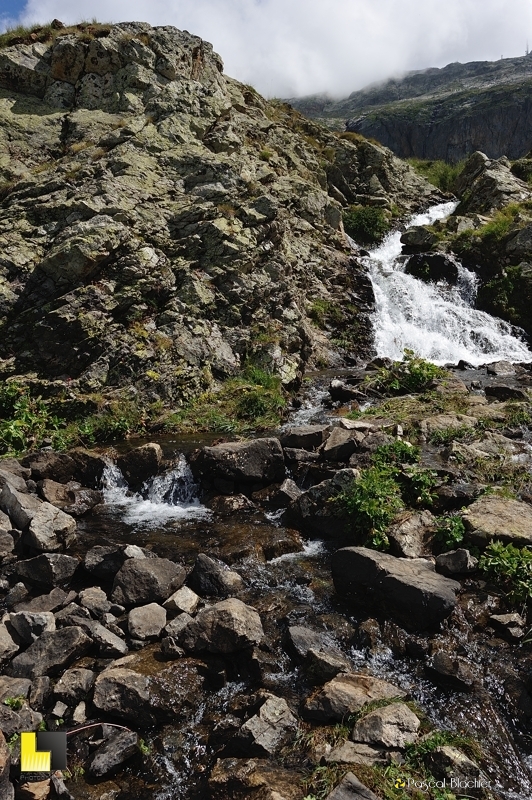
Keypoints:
(436, 321)
(170, 496)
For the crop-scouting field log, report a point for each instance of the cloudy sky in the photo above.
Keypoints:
(287, 48)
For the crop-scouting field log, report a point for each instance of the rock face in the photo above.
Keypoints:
(409, 590)
(487, 185)
(140, 464)
(175, 216)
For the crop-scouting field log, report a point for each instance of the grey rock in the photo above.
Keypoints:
(346, 694)
(226, 627)
(257, 461)
(305, 437)
(51, 653)
(19, 506)
(16, 595)
(59, 710)
(301, 639)
(409, 533)
(30, 625)
(456, 562)
(146, 622)
(408, 589)
(7, 790)
(14, 687)
(40, 691)
(322, 665)
(103, 561)
(8, 647)
(140, 464)
(147, 580)
(115, 751)
(177, 625)
(74, 685)
(493, 517)
(511, 626)
(448, 762)
(50, 529)
(110, 645)
(183, 601)
(48, 569)
(123, 693)
(350, 788)
(59, 467)
(341, 444)
(95, 600)
(452, 671)
(264, 733)
(393, 726)
(355, 753)
(211, 577)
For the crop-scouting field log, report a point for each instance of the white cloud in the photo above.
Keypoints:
(294, 47)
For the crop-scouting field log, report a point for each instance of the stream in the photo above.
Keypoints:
(440, 324)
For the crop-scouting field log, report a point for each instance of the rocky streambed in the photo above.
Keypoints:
(221, 625)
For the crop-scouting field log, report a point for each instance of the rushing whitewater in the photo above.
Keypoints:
(171, 496)
(436, 321)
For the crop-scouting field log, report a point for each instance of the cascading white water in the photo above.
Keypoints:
(171, 496)
(436, 321)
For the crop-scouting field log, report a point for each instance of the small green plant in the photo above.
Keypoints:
(445, 436)
(511, 568)
(418, 485)
(450, 532)
(395, 454)
(440, 173)
(372, 501)
(144, 748)
(266, 155)
(323, 311)
(15, 702)
(413, 374)
(417, 752)
(366, 224)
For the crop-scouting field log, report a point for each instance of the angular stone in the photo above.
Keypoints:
(59, 467)
(95, 600)
(511, 626)
(226, 627)
(257, 461)
(74, 685)
(146, 622)
(453, 671)
(110, 645)
(123, 693)
(147, 580)
(118, 748)
(408, 589)
(305, 437)
(177, 625)
(456, 562)
(14, 687)
(264, 733)
(301, 639)
(393, 726)
(408, 535)
(104, 561)
(8, 647)
(341, 444)
(7, 791)
(210, 577)
(183, 601)
(322, 666)
(347, 694)
(350, 788)
(493, 517)
(30, 625)
(50, 529)
(140, 464)
(56, 599)
(48, 569)
(355, 753)
(20, 507)
(51, 653)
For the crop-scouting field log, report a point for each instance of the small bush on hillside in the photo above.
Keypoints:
(511, 567)
(439, 173)
(414, 374)
(366, 224)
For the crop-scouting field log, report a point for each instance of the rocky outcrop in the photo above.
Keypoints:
(164, 224)
(486, 185)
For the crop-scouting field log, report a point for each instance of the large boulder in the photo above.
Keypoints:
(407, 589)
(210, 577)
(225, 627)
(147, 580)
(59, 467)
(260, 461)
(493, 517)
(123, 693)
(51, 653)
(48, 569)
(20, 506)
(486, 185)
(50, 529)
(432, 267)
(140, 464)
(305, 437)
(346, 694)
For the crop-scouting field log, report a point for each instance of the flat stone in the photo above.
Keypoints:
(355, 753)
(51, 653)
(408, 589)
(492, 517)
(183, 601)
(322, 665)
(146, 622)
(346, 694)
(50, 529)
(350, 788)
(393, 726)
(305, 437)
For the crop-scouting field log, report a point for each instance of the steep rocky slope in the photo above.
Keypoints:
(161, 223)
(442, 113)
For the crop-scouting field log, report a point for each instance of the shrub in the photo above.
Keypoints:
(450, 532)
(372, 501)
(440, 173)
(511, 567)
(395, 454)
(414, 374)
(366, 224)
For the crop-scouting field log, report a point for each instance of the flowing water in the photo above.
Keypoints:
(436, 321)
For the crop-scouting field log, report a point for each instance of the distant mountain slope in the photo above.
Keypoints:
(443, 113)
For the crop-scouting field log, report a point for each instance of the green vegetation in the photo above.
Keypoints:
(450, 532)
(16, 702)
(366, 224)
(413, 374)
(445, 436)
(511, 568)
(47, 33)
(439, 173)
(266, 155)
(323, 312)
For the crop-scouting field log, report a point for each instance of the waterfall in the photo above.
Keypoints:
(170, 496)
(435, 320)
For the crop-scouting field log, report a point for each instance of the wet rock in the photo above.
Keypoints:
(393, 726)
(347, 694)
(289, 491)
(264, 733)
(183, 601)
(295, 455)
(29, 626)
(51, 653)
(281, 541)
(241, 778)
(504, 392)
(89, 467)
(213, 578)
(313, 513)
(50, 529)
(147, 580)
(53, 601)
(177, 625)
(301, 639)
(350, 788)
(81, 500)
(226, 627)
(456, 562)
(48, 569)
(501, 368)
(418, 238)
(342, 392)
(123, 693)
(341, 444)
(511, 626)
(59, 467)
(305, 437)
(119, 747)
(492, 517)
(7, 791)
(74, 685)
(322, 665)
(8, 647)
(432, 267)
(410, 590)
(140, 464)
(355, 753)
(232, 504)
(95, 600)
(409, 534)
(260, 461)
(146, 622)
(455, 672)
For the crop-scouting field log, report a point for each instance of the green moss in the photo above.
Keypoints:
(323, 312)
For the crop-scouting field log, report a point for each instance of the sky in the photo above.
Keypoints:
(289, 48)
